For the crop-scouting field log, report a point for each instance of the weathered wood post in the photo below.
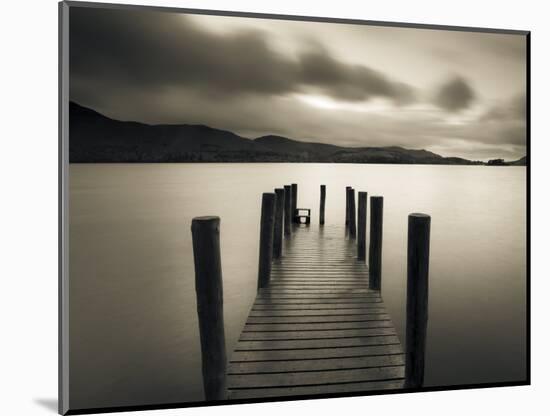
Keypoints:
(209, 288)
(279, 218)
(347, 204)
(294, 199)
(418, 259)
(362, 227)
(267, 223)
(375, 243)
(352, 222)
(322, 205)
(288, 211)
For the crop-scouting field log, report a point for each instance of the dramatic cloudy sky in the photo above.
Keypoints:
(454, 93)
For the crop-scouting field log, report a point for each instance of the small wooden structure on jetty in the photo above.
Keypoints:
(318, 324)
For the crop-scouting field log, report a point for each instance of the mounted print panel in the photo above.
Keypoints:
(260, 207)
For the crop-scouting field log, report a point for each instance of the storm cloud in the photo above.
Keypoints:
(455, 95)
(161, 50)
(340, 84)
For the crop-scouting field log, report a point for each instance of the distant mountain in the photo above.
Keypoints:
(96, 138)
(502, 162)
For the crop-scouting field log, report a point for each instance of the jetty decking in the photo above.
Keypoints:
(318, 324)
(317, 328)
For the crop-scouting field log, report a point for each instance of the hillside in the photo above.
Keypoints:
(519, 162)
(96, 138)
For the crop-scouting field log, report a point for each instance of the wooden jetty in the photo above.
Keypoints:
(318, 325)
(317, 328)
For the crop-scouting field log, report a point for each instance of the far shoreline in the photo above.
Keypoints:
(484, 164)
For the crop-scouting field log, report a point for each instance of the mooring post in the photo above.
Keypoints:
(375, 243)
(362, 227)
(209, 288)
(288, 210)
(267, 223)
(279, 219)
(352, 222)
(322, 205)
(418, 259)
(347, 204)
(294, 200)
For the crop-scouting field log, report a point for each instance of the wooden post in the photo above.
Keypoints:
(209, 288)
(279, 218)
(267, 223)
(362, 227)
(352, 223)
(375, 244)
(294, 199)
(418, 259)
(322, 205)
(347, 204)
(288, 211)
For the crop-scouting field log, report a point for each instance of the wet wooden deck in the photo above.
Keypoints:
(318, 328)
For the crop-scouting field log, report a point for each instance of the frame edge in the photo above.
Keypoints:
(63, 205)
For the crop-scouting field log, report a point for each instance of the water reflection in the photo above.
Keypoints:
(134, 334)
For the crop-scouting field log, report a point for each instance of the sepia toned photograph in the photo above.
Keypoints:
(261, 208)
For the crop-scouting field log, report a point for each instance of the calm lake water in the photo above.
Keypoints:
(133, 324)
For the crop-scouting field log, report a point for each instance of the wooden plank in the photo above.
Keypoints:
(320, 268)
(359, 278)
(312, 275)
(284, 281)
(319, 286)
(339, 260)
(328, 326)
(341, 288)
(316, 307)
(262, 367)
(312, 247)
(330, 254)
(317, 262)
(309, 299)
(336, 275)
(347, 265)
(316, 319)
(308, 281)
(316, 343)
(320, 279)
(312, 290)
(314, 378)
(316, 390)
(318, 283)
(333, 271)
(297, 248)
(353, 278)
(319, 353)
(313, 282)
(316, 291)
(299, 335)
(331, 303)
(342, 301)
(342, 312)
(270, 295)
